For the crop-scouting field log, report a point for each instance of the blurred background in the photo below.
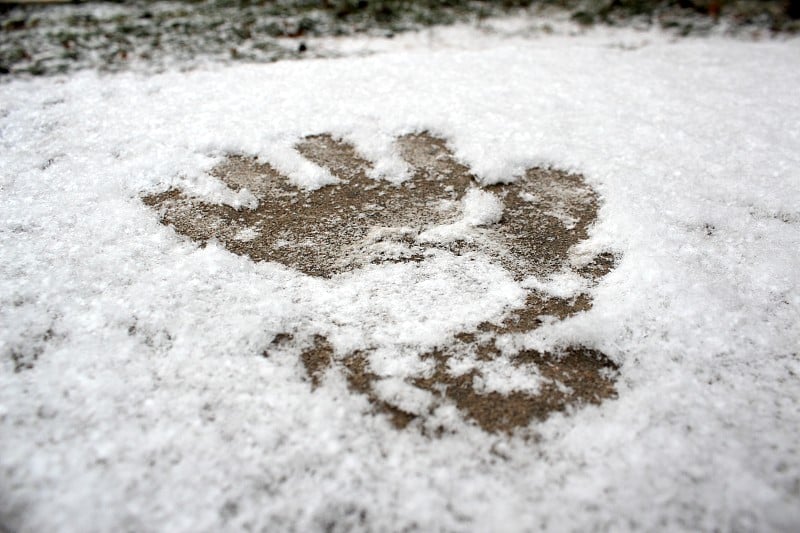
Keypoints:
(44, 37)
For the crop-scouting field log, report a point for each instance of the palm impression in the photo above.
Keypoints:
(529, 227)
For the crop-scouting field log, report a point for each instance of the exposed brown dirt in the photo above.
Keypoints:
(574, 377)
(333, 229)
(361, 221)
(361, 379)
(317, 360)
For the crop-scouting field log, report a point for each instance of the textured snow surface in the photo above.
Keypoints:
(149, 407)
(478, 208)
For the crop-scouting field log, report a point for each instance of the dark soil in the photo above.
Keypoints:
(362, 221)
(344, 226)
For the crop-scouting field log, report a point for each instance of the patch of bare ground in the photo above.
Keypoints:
(362, 221)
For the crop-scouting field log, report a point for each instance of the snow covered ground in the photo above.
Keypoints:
(133, 391)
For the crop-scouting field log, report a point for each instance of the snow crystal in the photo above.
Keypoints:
(562, 284)
(482, 208)
(406, 396)
(246, 234)
(500, 375)
(479, 208)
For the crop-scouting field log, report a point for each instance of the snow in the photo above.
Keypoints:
(245, 235)
(478, 208)
(150, 406)
(402, 306)
(498, 375)
(482, 208)
(407, 397)
(563, 284)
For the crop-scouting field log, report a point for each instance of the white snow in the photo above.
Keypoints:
(563, 284)
(499, 375)
(478, 208)
(246, 234)
(404, 395)
(150, 406)
(408, 305)
(482, 208)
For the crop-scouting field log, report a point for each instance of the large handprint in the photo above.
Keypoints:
(529, 227)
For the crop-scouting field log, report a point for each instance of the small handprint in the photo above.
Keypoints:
(529, 227)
